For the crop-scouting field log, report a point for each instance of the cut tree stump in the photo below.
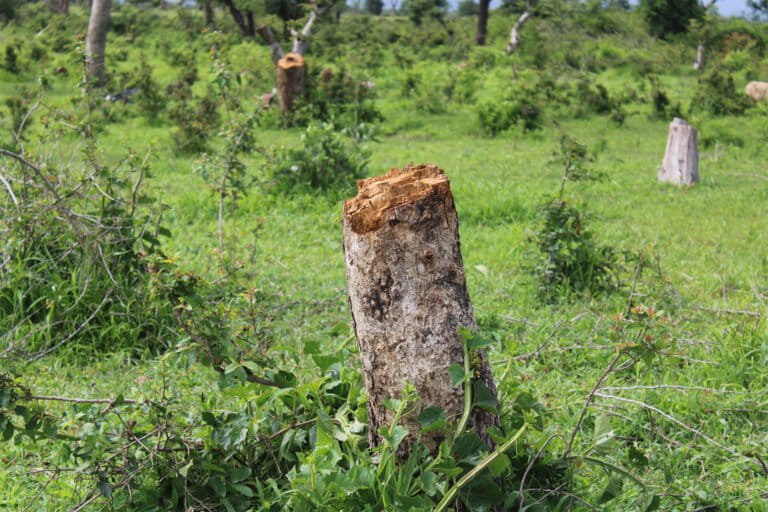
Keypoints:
(408, 296)
(291, 76)
(681, 158)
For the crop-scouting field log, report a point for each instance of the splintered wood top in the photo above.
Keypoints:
(381, 194)
(291, 60)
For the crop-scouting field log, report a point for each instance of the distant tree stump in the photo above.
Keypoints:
(681, 158)
(408, 296)
(291, 77)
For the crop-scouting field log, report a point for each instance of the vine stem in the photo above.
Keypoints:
(466, 479)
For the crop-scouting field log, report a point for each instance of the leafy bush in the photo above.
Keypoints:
(520, 104)
(324, 161)
(11, 60)
(717, 95)
(668, 17)
(196, 120)
(150, 98)
(569, 260)
(72, 263)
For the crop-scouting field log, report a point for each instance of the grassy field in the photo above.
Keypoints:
(685, 429)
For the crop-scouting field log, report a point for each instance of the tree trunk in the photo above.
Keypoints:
(681, 158)
(208, 12)
(408, 296)
(241, 19)
(96, 40)
(514, 34)
(482, 22)
(701, 56)
(64, 6)
(291, 76)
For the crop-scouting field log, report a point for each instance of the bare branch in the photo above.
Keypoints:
(301, 39)
(514, 34)
(269, 37)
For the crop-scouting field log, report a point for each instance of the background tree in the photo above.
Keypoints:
(7, 10)
(668, 17)
(96, 40)
(374, 7)
(514, 34)
(467, 8)
(419, 11)
(760, 7)
(482, 21)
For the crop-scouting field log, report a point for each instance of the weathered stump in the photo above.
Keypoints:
(681, 158)
(408, 296)
(291, 76)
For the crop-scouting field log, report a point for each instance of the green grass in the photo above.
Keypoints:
(710, 241)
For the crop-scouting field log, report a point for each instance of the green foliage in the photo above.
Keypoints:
(468, 8)
(666, 18)
(150, 97)
(569, 260)
(323, 161)
(11, 59)
(716, 94)
(374, 7)
(196, 121)
(73, 268)
(419, 11)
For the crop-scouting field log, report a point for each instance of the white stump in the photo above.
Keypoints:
(681, 159)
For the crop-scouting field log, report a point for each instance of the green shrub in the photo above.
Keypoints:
(72, 268)
(569, 259)
(669, 17)
(150, 99)
(323, 161)
(196, 121)
(717, 95)
(11, 60)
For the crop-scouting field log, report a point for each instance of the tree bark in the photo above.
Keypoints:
(210, 20)
(681, 158)
(701, 56)
(514, 34)
(408, 297)
(64, 6)
(482, 22)
(291, 77)
(96, 40)
(244, 20)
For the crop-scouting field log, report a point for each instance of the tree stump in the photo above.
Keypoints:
(408, 296)
(681, 158)
(291, 76)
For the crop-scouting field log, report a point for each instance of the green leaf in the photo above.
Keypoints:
(499, 465)
(611, 491)
(104, 489)
(210, 419)
(654, 504)
(184, 470)
(431, 419)
(324, 362)
(243, 489)
(456, 372)
(311, 347)
(398, 434)
(482, 397)
(239, 474)
(605, 436)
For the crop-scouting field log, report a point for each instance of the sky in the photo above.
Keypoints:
(725, 7)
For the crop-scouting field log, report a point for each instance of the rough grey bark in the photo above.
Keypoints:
(701, 57)
(482, 22)
(681, 158)
(408, 296)
(96, 40)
